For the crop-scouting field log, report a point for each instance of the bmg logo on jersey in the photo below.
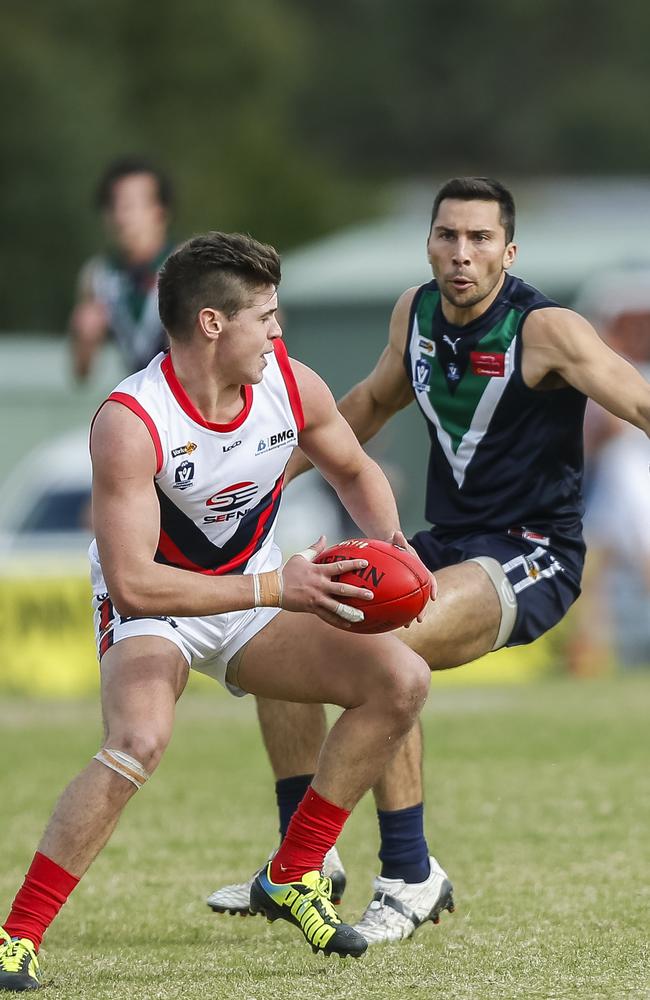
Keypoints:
(278, 440)
(184, 475)
(229, 501)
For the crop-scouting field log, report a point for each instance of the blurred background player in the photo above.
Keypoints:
(117, 294)
(501, 376)
(617, 522)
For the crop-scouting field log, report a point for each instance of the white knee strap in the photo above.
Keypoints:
(506, 595)
(121, 763)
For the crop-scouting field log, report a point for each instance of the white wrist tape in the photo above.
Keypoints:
(122, 764)
(268, 589)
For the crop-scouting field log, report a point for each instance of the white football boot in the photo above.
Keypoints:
(235, 899)
(398, 907)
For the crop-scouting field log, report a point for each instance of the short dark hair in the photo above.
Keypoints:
(219, 271)
(126, 166)
(479, 189)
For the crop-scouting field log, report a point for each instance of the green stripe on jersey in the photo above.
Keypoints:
(462, 418)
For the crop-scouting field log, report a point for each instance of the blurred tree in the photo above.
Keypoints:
(208, 89)
(288, 117)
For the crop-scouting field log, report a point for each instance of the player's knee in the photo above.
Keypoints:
(406, 690)
(144, 747)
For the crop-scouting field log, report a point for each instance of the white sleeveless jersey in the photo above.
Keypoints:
(219, 485)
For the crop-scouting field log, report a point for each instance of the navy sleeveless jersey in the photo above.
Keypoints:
(502, 454)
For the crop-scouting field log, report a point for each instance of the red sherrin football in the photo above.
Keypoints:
(398, 580)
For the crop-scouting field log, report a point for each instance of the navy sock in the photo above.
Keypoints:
(404, 852)
(289, 792)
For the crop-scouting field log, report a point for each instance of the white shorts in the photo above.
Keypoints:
(207, 643)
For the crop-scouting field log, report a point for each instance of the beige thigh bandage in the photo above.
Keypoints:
(121, 763)
(506, 595)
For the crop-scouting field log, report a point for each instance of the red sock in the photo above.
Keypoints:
(314, 828)
(41, 896)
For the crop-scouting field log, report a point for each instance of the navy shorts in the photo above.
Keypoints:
(544, 571)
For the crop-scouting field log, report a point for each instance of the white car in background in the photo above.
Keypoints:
(45, 508)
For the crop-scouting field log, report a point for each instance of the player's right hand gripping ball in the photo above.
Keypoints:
(398, 580)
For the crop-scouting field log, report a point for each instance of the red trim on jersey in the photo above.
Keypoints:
(284, 363)
(173, 554)
(188, 407)
(132, 404)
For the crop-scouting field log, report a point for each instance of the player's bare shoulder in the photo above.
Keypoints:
(399, 321)
(315, 395)
(120, 443)
(550, 336)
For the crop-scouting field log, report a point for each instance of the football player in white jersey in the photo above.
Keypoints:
(178, 582)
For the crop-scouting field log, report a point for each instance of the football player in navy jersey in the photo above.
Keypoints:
(176, 585)
(501, 375)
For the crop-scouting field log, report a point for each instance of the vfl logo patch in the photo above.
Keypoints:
(279, 440)
(187, 449)
(184, 476)
(453, 372)
(487, 363)
(422, 374)
(232, 497)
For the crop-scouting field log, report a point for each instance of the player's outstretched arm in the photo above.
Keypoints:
(126, 517)
(374, 400)
(329, 443)
(562, 342)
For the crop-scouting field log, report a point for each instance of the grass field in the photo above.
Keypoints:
(538, 806)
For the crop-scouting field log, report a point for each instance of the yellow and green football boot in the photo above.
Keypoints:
(308, 905)
(18, 964)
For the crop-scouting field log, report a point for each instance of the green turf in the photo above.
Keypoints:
(538, 806)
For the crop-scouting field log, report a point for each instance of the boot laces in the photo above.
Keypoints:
(12, 952)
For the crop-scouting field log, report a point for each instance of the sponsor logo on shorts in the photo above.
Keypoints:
(125, 619)
(281, 439)
(184, 476)
(186, 449)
